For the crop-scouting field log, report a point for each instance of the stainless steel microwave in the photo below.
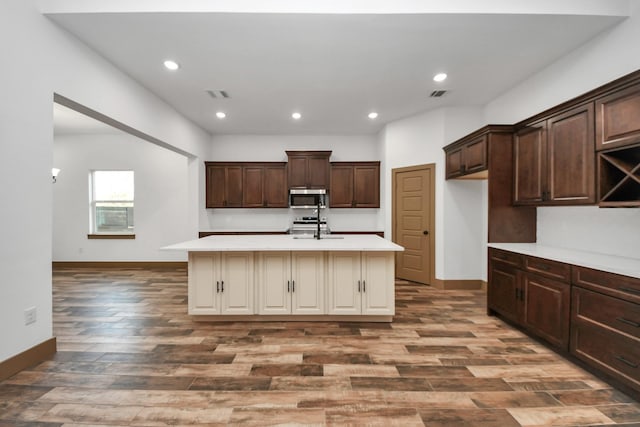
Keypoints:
(307, 198)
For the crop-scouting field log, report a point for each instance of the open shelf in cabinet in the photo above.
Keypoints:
(619, 177)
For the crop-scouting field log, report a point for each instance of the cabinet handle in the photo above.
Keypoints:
(293, 286)
(628, 322)
(544, 267)
(626, 362)
(358, 285)
(631, 290)
(288, 285)
(521, 294)
(222, 286)
(217, 286)
(517, 294)
(364, 286)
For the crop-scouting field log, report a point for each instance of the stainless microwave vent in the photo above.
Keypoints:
(437, 93)
(217, 94)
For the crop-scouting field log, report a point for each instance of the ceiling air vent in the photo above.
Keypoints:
(217, 94)
(437, 93)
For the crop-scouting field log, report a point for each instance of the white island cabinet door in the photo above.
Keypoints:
(378, 281)
(237, 282)
(344, 283)
(307, 282)
(204, 274)
(274, 283)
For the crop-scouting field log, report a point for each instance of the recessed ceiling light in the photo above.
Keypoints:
(440, 77)
(373, 115)
(221, 114)
(296, 116)
(171, 65)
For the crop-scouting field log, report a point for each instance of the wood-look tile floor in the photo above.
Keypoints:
(129, 355)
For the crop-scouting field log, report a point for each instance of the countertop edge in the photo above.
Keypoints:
(624, 266)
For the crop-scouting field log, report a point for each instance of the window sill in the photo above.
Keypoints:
(111, 236)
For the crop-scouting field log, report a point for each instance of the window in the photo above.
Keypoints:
(111, 202)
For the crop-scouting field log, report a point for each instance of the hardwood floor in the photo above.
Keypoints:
(129, 355)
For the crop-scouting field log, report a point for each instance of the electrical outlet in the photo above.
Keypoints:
(30, 316)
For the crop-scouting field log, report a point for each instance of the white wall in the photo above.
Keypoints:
(40, 60)
(161, 207)
(272, 148)
(459, 204)
(605, 58)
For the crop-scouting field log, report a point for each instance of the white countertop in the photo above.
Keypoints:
(286, 242)
(611, 263)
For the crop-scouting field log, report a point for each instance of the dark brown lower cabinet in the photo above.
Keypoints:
(539, 304)
(592, 315)
(546, 309)
(605, 329)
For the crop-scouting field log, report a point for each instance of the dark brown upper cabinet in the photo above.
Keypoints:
(246, 185)
(264, 185)
(554, 160)
(467, 159)
(224, 185)
(618, 118)
(488, 154)
(309, 169)
(354, 185)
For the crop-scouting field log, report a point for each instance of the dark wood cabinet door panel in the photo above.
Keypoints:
(297, 175)
(318, 172)
(624, 287)
(215, 185)
(546, 309)
(617, 118)
(504, 291)
(454, 163)
(341, 186)
(233, 187)
(571, 157)
(606, 311)
(366, 185)
(613, 353)
(546, 267)
(253, 187)
(530, 165)
(275, 186)
(475, 155)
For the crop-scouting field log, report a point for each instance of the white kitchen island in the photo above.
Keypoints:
(287, 277)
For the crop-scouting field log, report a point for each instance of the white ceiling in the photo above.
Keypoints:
(333, 68)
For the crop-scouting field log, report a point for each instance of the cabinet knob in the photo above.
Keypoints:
(425, 232)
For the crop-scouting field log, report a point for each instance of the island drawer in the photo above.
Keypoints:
(545, 267)
(613, 353)
(624, 287)
(605, 311)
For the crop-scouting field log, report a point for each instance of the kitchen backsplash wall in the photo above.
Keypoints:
(592, 229)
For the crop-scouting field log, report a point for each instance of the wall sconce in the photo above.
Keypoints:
(54, 174)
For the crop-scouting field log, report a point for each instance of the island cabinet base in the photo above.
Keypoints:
(309, 286)
(292, 318)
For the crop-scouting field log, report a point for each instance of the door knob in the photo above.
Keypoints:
(425, 232)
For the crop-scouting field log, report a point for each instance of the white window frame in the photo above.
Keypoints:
(93, 202)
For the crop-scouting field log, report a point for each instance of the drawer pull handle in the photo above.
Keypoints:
(628, 322)
(633, 291)
(544, 267)
(627, 362)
